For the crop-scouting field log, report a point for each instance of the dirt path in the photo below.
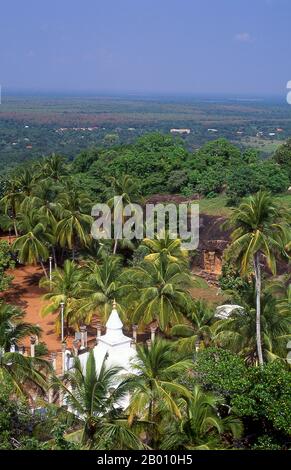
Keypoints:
(25, 293)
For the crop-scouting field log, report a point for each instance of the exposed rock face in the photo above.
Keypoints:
(213, 239)
(212, 235)
(212, 262)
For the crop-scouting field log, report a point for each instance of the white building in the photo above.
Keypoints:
(224, 311)
(117, 348)
(114, 344)
(180, 131)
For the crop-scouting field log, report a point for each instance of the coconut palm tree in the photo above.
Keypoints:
(161, 291)
(281, 289)
(64, 287)
(196, 332)
(164, 249)
(32, 246)
(127, 190)
(11, 200)
(125, 185)
(26, 180)
(44, 197)
(73, 229)
(238, 332)
(96, 398)
(20, 371)
(12, 328)
(23, 372)
(259, 232)
(101, 286)
(200, 425)
(154, 385)
(53, 167)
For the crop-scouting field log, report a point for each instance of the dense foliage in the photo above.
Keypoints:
(205, 382)
(166, 166)
(6, 262)
(261, 397)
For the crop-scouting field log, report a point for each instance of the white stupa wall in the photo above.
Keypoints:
(116, 346)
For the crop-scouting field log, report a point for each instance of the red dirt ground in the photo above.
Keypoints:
(25, 293)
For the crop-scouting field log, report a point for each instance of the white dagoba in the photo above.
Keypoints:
(114, 345)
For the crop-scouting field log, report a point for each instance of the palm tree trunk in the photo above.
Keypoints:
(14, 212)
(152, 418)
(15, 228)
(62, 255)
(67, 327)
(44, 270)
(118, 236)
(258, 279)
(54, 257)
(73, 247)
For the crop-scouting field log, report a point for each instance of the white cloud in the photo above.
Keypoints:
(243, 37)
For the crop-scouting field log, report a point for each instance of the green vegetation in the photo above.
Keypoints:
(31, 126)
(161, 164)
(6, 262)
(17, 370)
(215, 206)
(260, 229)
(204, 382)
(258, 395)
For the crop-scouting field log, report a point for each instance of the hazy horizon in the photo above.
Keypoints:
(169, 47)
(138, 94)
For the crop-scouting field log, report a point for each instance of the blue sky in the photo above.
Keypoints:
(153, 46)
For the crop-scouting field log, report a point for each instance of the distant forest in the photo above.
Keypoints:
(35, 126)
(162, 164)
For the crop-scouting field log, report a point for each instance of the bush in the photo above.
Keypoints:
(222, 372)
(6, 262)
(268, 397)
(261, 396)
(266, 443)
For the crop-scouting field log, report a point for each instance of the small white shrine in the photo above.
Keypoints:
(224, 311)
(118, 348)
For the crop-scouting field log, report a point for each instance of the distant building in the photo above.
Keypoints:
(271, 134)
(180, 131)
(224, 311)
